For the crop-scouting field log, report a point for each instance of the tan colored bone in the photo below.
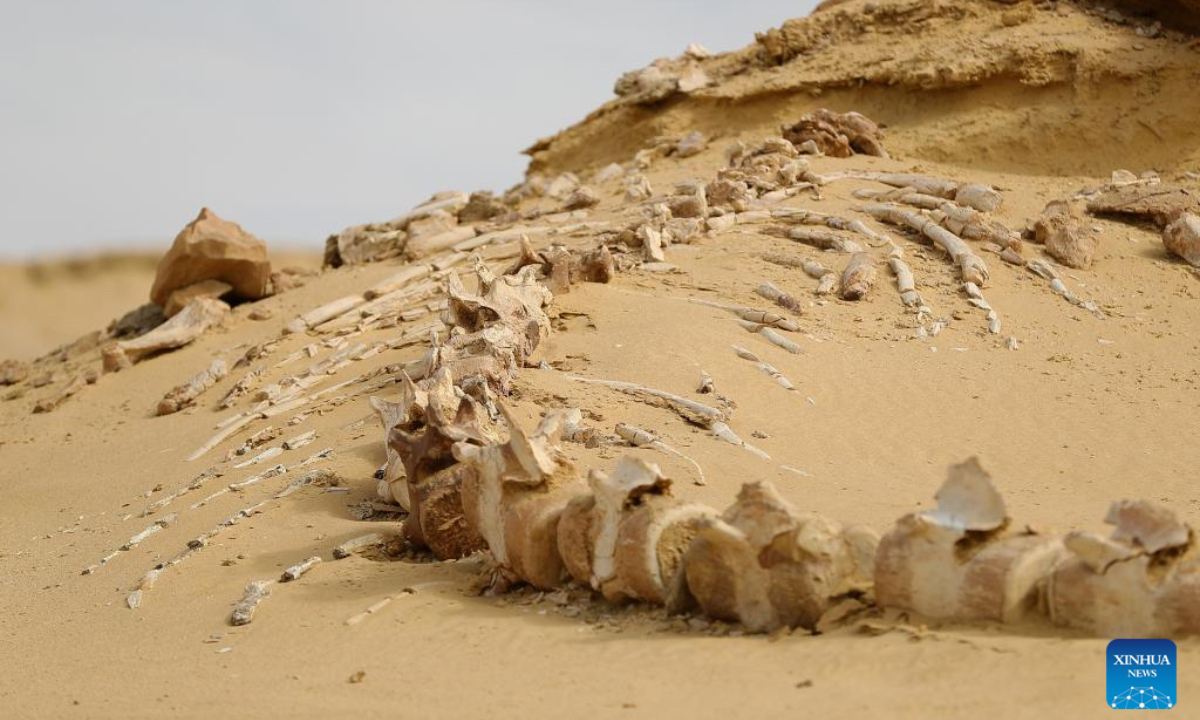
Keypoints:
(959, 561)
(971, 266)
(627, 538)
(1143, 581)
(764, 565)
(185, 395)
(189, 324)
(858, 277)
(514, 495)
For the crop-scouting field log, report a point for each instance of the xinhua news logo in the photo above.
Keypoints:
(1141, 675)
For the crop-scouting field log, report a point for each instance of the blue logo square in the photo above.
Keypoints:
(1141, 675)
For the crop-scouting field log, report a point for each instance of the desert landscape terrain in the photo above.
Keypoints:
(854, 373)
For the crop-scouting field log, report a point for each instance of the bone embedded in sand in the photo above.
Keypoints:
(971, 266)
(186, 394)
(626, 539)
(324, 313)
(1142, 581)
(644, 438)
(959, 561)
(264, 455)
(243, 613)
(299, 569)
(823, 240)
(721, 431)
(905, 283)
(191, 322)
(771, 292)
(764, 565)
(814, 269)
(779, 378)
(772, 337)
(357, 545)
(515, 494)
(858, 277)
(72, 388)
(704, 413)
(300, 440)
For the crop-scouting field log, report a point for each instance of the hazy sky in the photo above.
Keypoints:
(298, 118)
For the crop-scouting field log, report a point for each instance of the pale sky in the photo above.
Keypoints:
(120, 119)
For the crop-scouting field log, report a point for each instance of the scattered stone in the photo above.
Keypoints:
(1062, 230)
(692, 144)
(482, 205)
(836, 134)
(13, 372)
(1182, 238)
(583, 197)
(210, 248)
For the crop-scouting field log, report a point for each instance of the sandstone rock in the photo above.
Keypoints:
(481, 206)
(1182, 238)
(13, 372)
(1067, 240)
(837, 134)
(210, 248)
(692, 144)
(1159, 203)
(583, 197)
(205, 288)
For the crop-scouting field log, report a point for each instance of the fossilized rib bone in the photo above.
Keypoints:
(189, 324)
(185, 395)
(626, 539)
(644, 438)
(971, 266)
(858, 277)
(959, 561)
(763, 565)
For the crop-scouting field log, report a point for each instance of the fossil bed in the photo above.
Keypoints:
(1040, 101)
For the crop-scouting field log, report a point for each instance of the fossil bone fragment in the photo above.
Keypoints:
(514, 496)
(356, 545)
(768, 567)
(324, 313)
(626, 539)
(243, 612)
(815, 270)
(1142, 581)
(185, 395)
(823, 239)
(971, 266)
(72, 388)
(779, 377)
(189, 324)
(722, 431)
(690, 410)
(858, 277)
(771, 292)
(296, 571)
(960, 561)
(905, 283)
(644, 438)
(772, 337)
(826, 284)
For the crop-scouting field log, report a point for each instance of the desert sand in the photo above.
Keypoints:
(1068, 407)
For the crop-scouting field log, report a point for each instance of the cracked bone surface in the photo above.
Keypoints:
(960, 561)
(766, 566)
(1141, 581)
(627, 538)
(515, 494)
